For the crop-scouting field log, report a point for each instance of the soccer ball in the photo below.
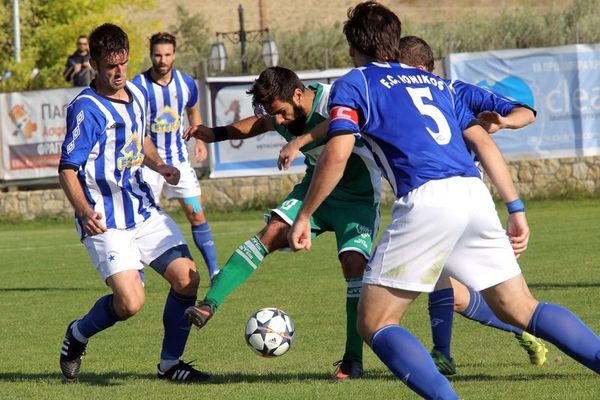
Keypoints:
(270, 332)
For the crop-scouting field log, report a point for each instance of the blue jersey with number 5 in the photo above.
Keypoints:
(408, 118)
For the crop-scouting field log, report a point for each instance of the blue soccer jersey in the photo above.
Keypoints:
(104, 143)
(478, 99)
(410, 120)
(167, 109)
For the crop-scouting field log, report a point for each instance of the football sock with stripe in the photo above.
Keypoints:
(177, 328)
(410, 361)
(354, 343)
(478, 310)
(566, 331)
(441, 316)
(100, 317)
(242, 263)
(204, 241)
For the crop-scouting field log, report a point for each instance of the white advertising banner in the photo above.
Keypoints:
(33, 128)
(228, 102)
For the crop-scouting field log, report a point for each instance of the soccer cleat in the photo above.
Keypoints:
(536, 349)
(200, 313)
(183, 372)
(348, 369)
(444, 364)
(70, 355)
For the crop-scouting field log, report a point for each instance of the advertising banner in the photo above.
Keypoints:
(33, 128)
(561, 83)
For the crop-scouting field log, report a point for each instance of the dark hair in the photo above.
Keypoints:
(162, 38)
(274, 83)
(374, 30)
(107, 39)
(416, 51)
(82, 37)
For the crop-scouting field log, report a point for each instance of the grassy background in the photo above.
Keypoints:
(46, 280)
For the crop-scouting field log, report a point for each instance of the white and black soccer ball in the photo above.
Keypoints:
(270, 332)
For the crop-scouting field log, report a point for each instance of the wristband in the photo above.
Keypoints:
(515, 206)
(220, 133)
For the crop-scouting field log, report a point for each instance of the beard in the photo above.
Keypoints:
(296, 127)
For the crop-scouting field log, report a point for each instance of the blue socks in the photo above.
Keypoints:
(441, 315)
(566, 331)
(478, 310)
(204, 241)
(101, 316)
(177, 328)
(408, 359)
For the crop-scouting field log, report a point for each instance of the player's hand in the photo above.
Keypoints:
(299, 235)
(200, 151)
(170, 173)
(287, 155)
(92, 223)
(199, 132)
(518, 232)
(491, 121)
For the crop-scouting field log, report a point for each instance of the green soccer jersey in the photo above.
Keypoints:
(361, 181)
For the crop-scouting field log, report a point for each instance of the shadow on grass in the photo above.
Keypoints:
(122, 378)
(44, 289)
(564, 285)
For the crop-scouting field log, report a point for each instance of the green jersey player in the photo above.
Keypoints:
(300, 115)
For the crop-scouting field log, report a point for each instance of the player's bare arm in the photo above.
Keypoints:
(92, 220)
(242, 129)
(153, 161)
(194, 118)
(495, 166)
(289, 152)
(518, 118)
(328, 172)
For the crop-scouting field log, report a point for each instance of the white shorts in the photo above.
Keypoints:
(188, 185)
(449, 223)
(118, 250)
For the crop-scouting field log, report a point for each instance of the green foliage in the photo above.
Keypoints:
(49, 29)
(193, 42)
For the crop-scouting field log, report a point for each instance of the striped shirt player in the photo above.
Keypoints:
(171, 95)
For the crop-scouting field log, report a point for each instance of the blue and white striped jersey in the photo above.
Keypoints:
(166, 113)
(408, 118)
(104, 142)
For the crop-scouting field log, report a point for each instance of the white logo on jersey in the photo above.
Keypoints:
(75, 134)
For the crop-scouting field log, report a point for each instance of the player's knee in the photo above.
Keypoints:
(196, 218)
(353, 264)
(186, 281)
(129, 305)
(274, 235)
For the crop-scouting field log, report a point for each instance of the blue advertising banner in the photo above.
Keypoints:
(561, 83)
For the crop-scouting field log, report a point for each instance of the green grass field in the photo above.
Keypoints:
(46, 280)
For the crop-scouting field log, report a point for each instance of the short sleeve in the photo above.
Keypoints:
(82, 133)
(347, 105)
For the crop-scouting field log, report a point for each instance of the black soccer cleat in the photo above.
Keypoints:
(184, 373)
(200, 313)
(348, 369)
(71, 353)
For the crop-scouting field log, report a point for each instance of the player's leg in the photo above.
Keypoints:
(441, 317)
(471, 304)
(201, 232)
(512, 302)
(354, 225)
(380, 310)
(119, 267)
(188, 193)
(163, 247)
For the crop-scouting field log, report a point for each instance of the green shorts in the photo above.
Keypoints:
(354, 223)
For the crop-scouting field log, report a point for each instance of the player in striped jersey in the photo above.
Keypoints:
(116, 214)
(495, 112)
(298, 113)
(172, 94)
(443, 217)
